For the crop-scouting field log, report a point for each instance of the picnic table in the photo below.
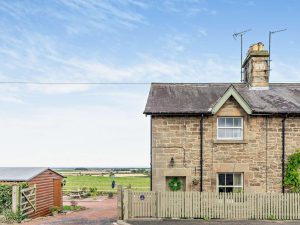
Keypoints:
(78, 194)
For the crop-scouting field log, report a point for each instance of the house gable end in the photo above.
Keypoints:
(231, 92)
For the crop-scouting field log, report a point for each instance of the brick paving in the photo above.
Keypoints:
(102, 212)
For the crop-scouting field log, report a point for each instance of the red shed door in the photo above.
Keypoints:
(57, 195)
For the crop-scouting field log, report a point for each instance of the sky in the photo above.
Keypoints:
(119, 41)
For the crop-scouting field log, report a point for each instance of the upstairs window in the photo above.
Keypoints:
(230, 128)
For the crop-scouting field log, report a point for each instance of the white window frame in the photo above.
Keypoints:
(229, 186)
(230, 138)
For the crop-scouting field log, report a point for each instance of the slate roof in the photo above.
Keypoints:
(197, 98)
(20, 174)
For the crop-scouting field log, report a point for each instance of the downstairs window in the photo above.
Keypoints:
(230, 182)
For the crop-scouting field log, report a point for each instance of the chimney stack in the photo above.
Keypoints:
(256, 69)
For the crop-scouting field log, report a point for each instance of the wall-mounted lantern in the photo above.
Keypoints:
(172, 162)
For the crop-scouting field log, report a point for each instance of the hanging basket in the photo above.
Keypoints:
(195, 181)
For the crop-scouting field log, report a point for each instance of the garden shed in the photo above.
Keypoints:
(47, 185)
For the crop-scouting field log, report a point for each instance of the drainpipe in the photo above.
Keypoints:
(150, 153)
(283, 152)
(266, 128)
(201, 153)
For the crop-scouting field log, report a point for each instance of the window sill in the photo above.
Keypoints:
(230, 142)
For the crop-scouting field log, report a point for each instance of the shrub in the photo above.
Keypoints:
(111, 174)
(206, 218)
(74, 203)
(292, 179)
(5, 197)
(73, 206)
(271, 217)
(110, 194)
(93, 191)
(55, 210)
(24, 185)
(10, 216)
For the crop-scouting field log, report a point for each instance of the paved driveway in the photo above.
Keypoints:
(102, 212)
(214, 222)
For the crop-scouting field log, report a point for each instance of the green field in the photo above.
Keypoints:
(74, 183)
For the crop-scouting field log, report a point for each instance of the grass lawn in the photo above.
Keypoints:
(104, 183)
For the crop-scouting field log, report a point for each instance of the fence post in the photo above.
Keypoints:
(156, 204)
(120, 202)
(125, 205)
(15, 198)
(129, 203)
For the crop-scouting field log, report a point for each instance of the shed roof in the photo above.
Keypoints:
(18, 174)
(197, 98)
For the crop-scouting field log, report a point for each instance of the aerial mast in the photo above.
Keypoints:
(270, 36)
(241, 34)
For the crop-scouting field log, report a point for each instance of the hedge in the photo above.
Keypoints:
(5, 197)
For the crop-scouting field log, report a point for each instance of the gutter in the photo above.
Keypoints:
(201, 153)
(283, 152)
(176, 113)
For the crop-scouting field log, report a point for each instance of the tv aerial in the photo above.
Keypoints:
(235, 36)
(270, 36)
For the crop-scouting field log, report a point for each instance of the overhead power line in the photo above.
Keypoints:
(75, 83)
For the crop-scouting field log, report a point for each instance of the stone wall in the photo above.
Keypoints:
(257, 156)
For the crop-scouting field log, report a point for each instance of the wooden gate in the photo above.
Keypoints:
(28, 200)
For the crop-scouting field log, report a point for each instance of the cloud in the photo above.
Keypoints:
(175, 42)
(40, 58)
(80, 16)
(76, 136)
(10, 99)
(245, 3)
(186, 8)
(284, 72)
(10, 94)
(57, 89)
(101, 14)
(202, 32)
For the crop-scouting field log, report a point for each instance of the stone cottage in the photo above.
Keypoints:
(224, 137)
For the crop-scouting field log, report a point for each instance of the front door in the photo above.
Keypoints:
(57, 194)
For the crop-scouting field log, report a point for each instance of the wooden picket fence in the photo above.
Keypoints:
(190, 205)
